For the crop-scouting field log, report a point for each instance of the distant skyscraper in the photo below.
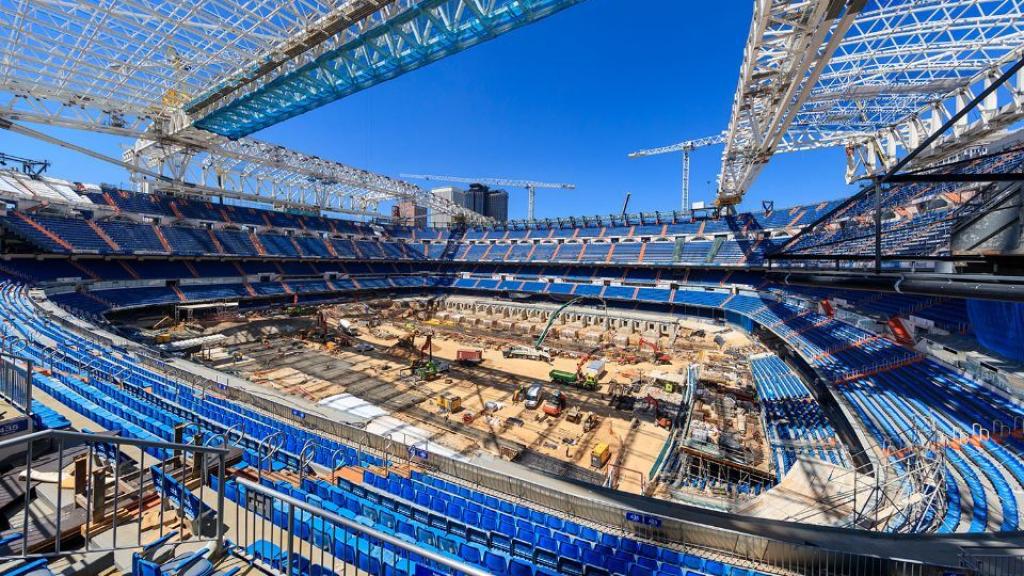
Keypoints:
(451, 194)
(496, 205)
(478, 198)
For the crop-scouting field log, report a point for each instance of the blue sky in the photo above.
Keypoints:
(562, 100)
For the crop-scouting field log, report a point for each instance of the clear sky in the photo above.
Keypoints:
(562, 100)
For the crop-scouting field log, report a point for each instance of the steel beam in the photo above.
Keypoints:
(789, 45)
(264, 172)
(897, 63)
(402, 36)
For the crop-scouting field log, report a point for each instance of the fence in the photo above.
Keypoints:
(15, 385)
(986, 562)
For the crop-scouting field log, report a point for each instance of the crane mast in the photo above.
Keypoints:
(685, 147)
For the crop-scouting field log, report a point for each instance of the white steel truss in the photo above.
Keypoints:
(143, 57)
(894, 61)
(789, 44)
(877, 152)
(130, 67)
(257, 171)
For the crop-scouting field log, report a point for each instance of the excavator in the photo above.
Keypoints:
(660, 418)
(426, 369)
(657, 357)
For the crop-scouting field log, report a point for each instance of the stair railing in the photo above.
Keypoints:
(267, 449)
(306, 457)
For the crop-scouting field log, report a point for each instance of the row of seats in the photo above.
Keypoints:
(56, 269)
(832, 347)
(949, 314)
(633, 225)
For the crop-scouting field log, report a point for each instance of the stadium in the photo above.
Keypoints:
(250, 359)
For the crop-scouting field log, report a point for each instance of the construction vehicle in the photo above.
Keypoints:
(449, 402)
(583, 378)
(569, 379)
(538, 352)
(574, 415)
(424, 366)
(527, 353)
(469, 356)
(657, 357)
(555, 403)
(562, 377)
(594, 370)
(600, 456)
(661, 419)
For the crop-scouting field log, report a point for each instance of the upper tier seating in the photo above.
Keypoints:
(917, 217)
(182, 229)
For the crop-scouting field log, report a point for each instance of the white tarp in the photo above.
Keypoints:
(380, 422)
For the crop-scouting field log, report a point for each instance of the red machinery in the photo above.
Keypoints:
(657, 357)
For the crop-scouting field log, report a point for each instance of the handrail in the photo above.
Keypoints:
(85, 437)
(362, 529)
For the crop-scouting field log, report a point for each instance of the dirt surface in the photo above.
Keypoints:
(488, 393)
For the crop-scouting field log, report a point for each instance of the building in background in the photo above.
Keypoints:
(478, 198)
(410, 214)
(496, 205)
(451, 194)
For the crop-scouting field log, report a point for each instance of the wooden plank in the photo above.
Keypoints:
(42, 530)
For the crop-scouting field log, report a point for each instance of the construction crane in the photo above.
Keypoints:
(530, 185)
(684, 147)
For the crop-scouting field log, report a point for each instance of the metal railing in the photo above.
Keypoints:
(15, 385)
(1007, 561)
(291, 536)
(759, 550)
(113, 488)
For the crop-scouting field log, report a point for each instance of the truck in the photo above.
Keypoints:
(347, 328)
(527, 353)
(469, 356)
(578, 379)
(595, 370)
(562, 377)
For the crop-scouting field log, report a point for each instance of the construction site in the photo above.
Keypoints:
(627, 399)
